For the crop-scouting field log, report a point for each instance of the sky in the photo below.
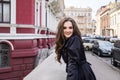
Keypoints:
(94, 4)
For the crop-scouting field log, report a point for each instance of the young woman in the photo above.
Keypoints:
(69, 46)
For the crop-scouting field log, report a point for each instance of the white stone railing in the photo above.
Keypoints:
(14, 26)
(14, 35)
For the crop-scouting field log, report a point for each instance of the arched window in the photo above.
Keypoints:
(4, 55)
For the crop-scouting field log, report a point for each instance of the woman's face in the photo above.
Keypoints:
(67, 29)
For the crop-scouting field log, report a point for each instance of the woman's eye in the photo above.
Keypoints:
(70, 27)
(64, 27)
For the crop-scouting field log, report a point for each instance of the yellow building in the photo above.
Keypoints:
(115, 21)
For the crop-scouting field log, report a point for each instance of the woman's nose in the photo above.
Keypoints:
(67, 29)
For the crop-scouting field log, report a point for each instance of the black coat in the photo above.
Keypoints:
(73, 54)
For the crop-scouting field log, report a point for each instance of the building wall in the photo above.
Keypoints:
(115, 22)
(22, 58)
(105, 21)
(25, 11)
(97, 28)
(27, 40)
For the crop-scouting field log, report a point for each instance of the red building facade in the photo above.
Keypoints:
(21, 42)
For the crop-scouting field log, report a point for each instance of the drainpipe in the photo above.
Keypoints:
(40, 13)
(46, 13)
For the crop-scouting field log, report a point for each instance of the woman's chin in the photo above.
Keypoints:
(68, 36)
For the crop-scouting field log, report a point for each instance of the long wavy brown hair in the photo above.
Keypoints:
(60, 38)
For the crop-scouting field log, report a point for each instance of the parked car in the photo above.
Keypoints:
(88, 44)
(113, 40)
(115, 58)
(102, 48)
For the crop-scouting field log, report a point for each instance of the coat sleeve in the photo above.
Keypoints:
(74, 51)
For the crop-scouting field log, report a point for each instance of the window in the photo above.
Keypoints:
(4, 55)
(86, 41)
(4, 11)
(89, 14)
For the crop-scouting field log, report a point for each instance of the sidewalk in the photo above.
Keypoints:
(49, 69)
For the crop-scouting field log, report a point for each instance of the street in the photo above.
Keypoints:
(102, 67)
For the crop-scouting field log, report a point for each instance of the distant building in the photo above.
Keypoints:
(115, 21)
(107, 20)
(83, 17)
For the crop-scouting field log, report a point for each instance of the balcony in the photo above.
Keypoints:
(57, 7)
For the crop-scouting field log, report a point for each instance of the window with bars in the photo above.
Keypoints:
(4, 55)
(5, 11)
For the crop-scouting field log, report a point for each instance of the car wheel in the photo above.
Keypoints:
(113, 62)
(92, 50)
(99, 53)
(87, 48)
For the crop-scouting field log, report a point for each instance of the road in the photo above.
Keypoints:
(102, 67)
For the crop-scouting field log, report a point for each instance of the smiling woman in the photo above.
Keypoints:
(69, 46)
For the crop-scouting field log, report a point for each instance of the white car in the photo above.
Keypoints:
(88, 44)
